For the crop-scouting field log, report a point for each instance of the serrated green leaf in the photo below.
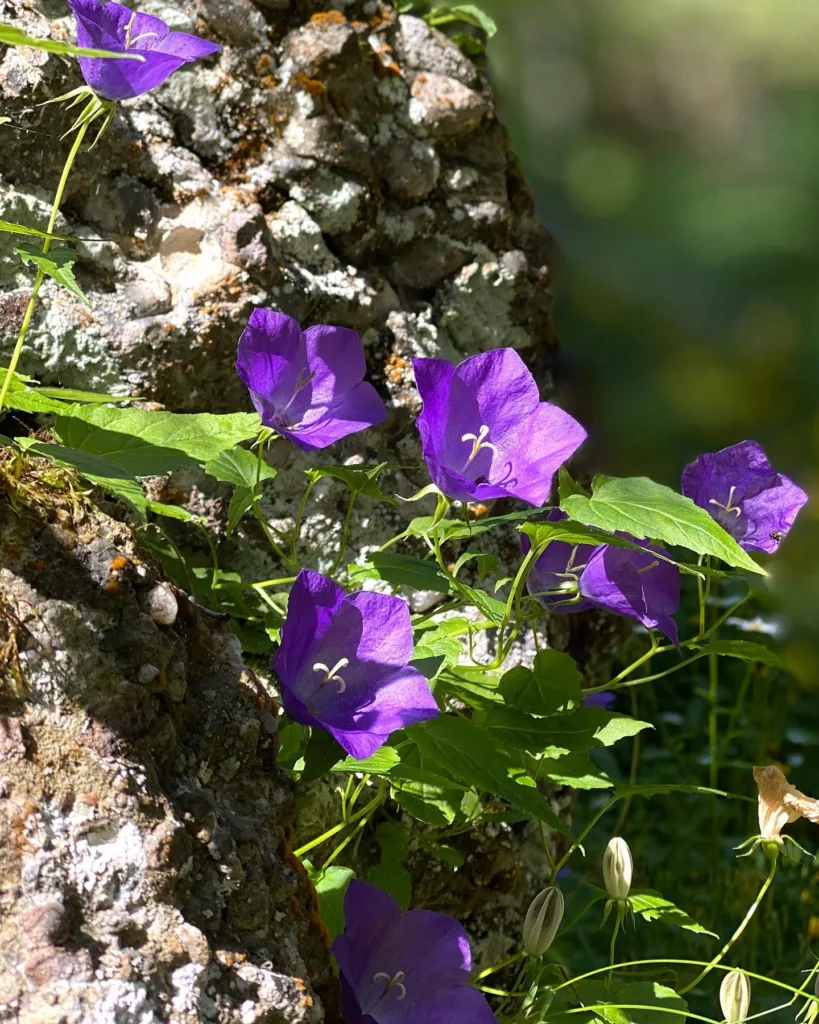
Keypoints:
(57, 264)
(73, 395)
(97, 470)
(15, 37)
(239, 466)
(470, 755)
(20, 229)
(173, 512)
(645, 509)
(401, 571)
(321, 754)
(745, 650)
(552, 683)
(390, 874)
(426, 796)
(575, 769)
(452, 529)
(153, 443)
(30, 400)
(639, 1002)
(379, 763)
(361, 479)
(654, 907)
(442, 642)
(331, 885)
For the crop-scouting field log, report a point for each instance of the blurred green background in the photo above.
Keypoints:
(673, 146)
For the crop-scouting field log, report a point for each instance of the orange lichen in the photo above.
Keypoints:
(329, 18)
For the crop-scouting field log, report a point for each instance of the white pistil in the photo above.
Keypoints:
(304, 378)
(129, 42)
(478, 442)
(331, 674)
(729, 506)
(396, 981)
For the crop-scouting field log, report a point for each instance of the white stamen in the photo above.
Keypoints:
(331, 674)
(129, 42)
(729, 506)
(396, 981)
(478, 442)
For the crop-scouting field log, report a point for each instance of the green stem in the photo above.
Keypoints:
(614, 935)
(294, 539)
(498, 967)
(285, 559)
(583, 834)
(713, 730)
(38, 281)
(341, 825)
(345, 533)
(742, 926)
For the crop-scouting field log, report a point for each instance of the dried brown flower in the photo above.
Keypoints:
(781, 803)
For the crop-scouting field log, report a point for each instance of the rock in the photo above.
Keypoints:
(443, 106)
(418, 47)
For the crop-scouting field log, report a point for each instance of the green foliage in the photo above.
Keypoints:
(470, 14)
(245, 471)
(360, 479)
(57, 264)
(11, 36)
(401, 570)
(653, 907)
(390, 874)
(552, 684)
(645, 509)
(21, 229)
(331, 885)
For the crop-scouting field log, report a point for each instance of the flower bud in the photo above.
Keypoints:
(618, 868)
(542, 921)
(735, 996)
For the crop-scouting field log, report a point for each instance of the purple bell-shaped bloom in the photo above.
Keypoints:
(112, 26)
(309, 386)
(745, 494)
(343, 664)
(485, 432)
(408, 968)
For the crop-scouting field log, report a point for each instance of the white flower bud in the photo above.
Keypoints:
(542, 921)
(618, 868)
(735, 996)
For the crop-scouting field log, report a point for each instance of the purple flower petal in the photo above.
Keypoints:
(560, 563)
(404, 968)
(308, 386)
(484, 432)
(342, 664)
(747, 497)
(636, 585)
(112, 26)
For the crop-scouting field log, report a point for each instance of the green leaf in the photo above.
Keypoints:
(331, 885)
(468, 13)
(442, 642)
(15, 37)
(57, 263)
(470, 755)
(390, 874)
(153, 443)
(30, 400)
(173, 512)
(426, 796)
(401, 571)
(239, 466)
(551, 684)
(486, 563)
(491, 607)
(648, 790)
(645, 509)
(575, 769)
(746, 650)
(21, 229)
(566, 486)
(379, 763)
(321, 754)
(639, 1002)
(361, 479)
(97, 470)
(453, 529)
(73, 395)
(653, 907)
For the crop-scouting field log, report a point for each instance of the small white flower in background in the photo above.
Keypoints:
(542, 921)
(618, 868)
(735, 997)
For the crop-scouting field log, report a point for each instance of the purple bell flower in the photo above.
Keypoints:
(604, 699)
(484, 431)
(634, 584)
(745, 494)
(555, 577)
(408, 968)
(343, 664)
(309, 386)
(112, 26)
(617, 580)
